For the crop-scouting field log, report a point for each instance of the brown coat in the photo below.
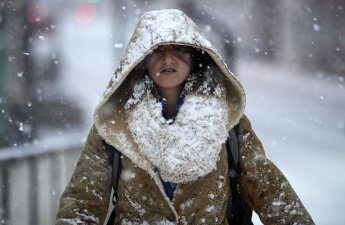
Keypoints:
(140, 199)
(141, 196)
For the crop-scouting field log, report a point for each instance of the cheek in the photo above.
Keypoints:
(189, 66)
(151, 69)
(189, 61)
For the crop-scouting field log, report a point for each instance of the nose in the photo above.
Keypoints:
(168, 55)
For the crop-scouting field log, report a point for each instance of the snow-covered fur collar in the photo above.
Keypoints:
(189, 147)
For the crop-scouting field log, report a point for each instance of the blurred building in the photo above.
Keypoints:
(324, 45)
(305, 33)
(30, 101)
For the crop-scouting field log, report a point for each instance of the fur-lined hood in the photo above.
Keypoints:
(156, 28)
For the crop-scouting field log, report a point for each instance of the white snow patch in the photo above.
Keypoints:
(245, 137)
(278, 203)
(210, 196)
(88, 217)
(162, 222)
(138, 208)
(210, 208)
(127, 175)
(186, 204)
(220, 182)
(74, 221)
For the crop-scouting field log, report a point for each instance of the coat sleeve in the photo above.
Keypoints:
(264, 186)
(86, 197)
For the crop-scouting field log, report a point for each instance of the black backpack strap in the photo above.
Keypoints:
(233, 155)
(114, 157)
(238, 211)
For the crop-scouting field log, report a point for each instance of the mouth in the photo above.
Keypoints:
(167, 70)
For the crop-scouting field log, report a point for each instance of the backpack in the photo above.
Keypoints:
(238, 211)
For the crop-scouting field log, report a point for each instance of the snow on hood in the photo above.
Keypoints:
(170, 26)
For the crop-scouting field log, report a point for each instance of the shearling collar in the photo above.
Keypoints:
(199, 130)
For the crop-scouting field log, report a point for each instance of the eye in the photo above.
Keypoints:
(156, 53)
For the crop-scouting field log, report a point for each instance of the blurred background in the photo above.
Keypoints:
(56, 58)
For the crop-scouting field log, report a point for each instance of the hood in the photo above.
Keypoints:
(156, 28)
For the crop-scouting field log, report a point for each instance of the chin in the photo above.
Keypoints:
(169, 85)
